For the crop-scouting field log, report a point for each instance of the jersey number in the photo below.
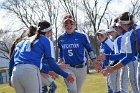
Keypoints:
(70, 53)
(28, 48)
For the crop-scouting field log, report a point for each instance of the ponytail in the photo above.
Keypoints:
(37, 37)
(42, 26)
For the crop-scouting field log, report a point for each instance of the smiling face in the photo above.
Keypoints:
(112, 35)
(101, 37)
(69, 26)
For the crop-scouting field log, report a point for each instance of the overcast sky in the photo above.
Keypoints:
(117, 6)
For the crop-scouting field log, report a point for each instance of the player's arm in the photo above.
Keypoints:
(11, 65)
(49, 58)
(86, 43)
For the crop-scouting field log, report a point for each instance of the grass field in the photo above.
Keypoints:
(94, 83)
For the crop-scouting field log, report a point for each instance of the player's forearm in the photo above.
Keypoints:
(92, 55)
(45, 69)
(11, 65)
(56, 68)
(117, 66)
(128, 58)
(115, 56)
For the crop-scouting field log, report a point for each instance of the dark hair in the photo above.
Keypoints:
(41, 25)
(126, 16)
(31, 32)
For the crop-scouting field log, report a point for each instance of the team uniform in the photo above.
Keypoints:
(138, 70)
(107, 48)
(25, 75)
(115, 76)
(47, 82)
(127, 56)
(72, 51)
(124, 80)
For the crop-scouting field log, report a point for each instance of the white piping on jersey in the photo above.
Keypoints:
(137, 27)
(85, 59)
(116, 48)
(126, 43)
(109, 43)
(52, 48)
(41, 65)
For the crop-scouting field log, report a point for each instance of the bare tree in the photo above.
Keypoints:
(6, 40)
(135, 8)
(30, 12)
(95, 14)
(70, 6)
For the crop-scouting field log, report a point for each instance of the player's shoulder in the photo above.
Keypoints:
(43, 38)
(137, 27)
(80, 33)
(63, 35)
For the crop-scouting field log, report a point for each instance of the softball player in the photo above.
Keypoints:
(46, 81)
(124, 80)
(72, 46)
(107, 48)
(127, 55)
(137, 32)
(28, 61)
(115, 76)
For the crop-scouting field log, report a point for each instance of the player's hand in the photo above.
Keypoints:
(107, 70)
(53, 74)
(97, 65)
(44, 75)
(70, 78)
(64, 66)
(10, 83)
(101, 57)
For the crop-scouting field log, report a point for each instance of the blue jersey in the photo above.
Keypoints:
(42, 48)
(128, 48)
(107, 48)
(45, 67)
(72, 47)
(117, 44)
(138, 37)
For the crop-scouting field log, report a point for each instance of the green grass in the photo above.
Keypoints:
(94, 83)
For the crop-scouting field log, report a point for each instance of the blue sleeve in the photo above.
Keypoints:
(119, 43)
(56, 68)
(60, 50)
(86, 43)
(115, 56)
(11, 65)
(49, 57)
(127, 59)
(105, 63)
(108, 50)
(45, 68)
(138, 35)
